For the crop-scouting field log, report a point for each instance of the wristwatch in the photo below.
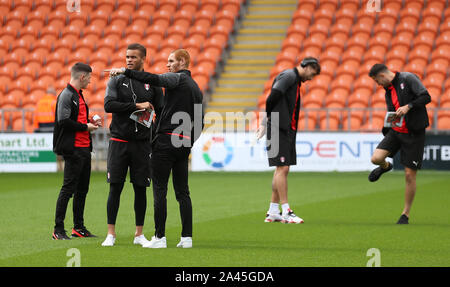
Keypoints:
(410, 105)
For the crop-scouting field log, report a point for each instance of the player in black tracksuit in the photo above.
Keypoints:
(282, 111)
(180, 125)
(407, 97)
(129, 146)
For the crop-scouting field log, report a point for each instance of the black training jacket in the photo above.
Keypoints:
(121, 96)
(181, 95)
(410, 90)
(282, 99)
(66, 124)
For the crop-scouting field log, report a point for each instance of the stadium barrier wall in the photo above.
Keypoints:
(236, 151)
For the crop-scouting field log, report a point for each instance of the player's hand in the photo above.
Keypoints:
(115, 71)
(260, 132)
(145, 105)
(91, 127)
(403, 110)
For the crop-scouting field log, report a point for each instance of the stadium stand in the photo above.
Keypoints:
(405, 35)
(40, 40)
(236, 52)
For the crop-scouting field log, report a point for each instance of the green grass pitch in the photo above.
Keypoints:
(344, 215)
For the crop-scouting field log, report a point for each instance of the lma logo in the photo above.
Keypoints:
(217, 152)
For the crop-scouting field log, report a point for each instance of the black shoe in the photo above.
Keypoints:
(60, 235)
(376, 173)
(82, 232)
(403, 219)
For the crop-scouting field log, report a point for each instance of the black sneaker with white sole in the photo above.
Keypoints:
(376, 173)
(60, 235)
(82, 232)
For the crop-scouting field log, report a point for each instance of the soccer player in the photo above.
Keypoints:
(180, 125)
(282, 115)
(407, 97)
(129, 146)
(72, 140)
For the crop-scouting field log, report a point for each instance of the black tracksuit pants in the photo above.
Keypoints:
(77, 174)
(165, 159)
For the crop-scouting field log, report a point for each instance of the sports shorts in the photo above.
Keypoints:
(132, 154)
(281, 152)
(410, 145)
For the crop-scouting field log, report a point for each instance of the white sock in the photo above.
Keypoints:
(274, 208)
(285, 208)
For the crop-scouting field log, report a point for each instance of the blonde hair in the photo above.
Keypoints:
(182, 54)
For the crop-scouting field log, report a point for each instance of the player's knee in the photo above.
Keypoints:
(376, 160)
(283, 170)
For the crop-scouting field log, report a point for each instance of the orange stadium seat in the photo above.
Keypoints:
(342, 82)
(331, 54)
(322, 82)
(189, 5)
(302, 17)
(232, 6)
(306, 123)
(173, 42)
(444, 99)
(315, 96)
(162, 17)
(309, 5)
(183, 18)
(349, 67)
(78, 19)
(376, 53)
(420, 52)
(297, 29)
(138, 16)
(328, 69)
(134, 29)
(203, 18)
(434, 81)
(416, 66)
(210, 5)
(441, 53)
(168, 5)
(32, 68)
(358, 40)
(225, 18)
(105, 5)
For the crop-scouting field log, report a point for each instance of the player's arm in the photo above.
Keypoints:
(112, 103)
(167, 80)
(421, 95)
(279, 88)
(273, 98)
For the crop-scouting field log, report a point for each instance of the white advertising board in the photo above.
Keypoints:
(315, 152)
(27, 152)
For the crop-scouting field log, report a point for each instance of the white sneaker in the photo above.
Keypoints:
(185, 242)
(276, 217)
(290, 217)
(156, 243)
(109, 241)
(140, 240)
